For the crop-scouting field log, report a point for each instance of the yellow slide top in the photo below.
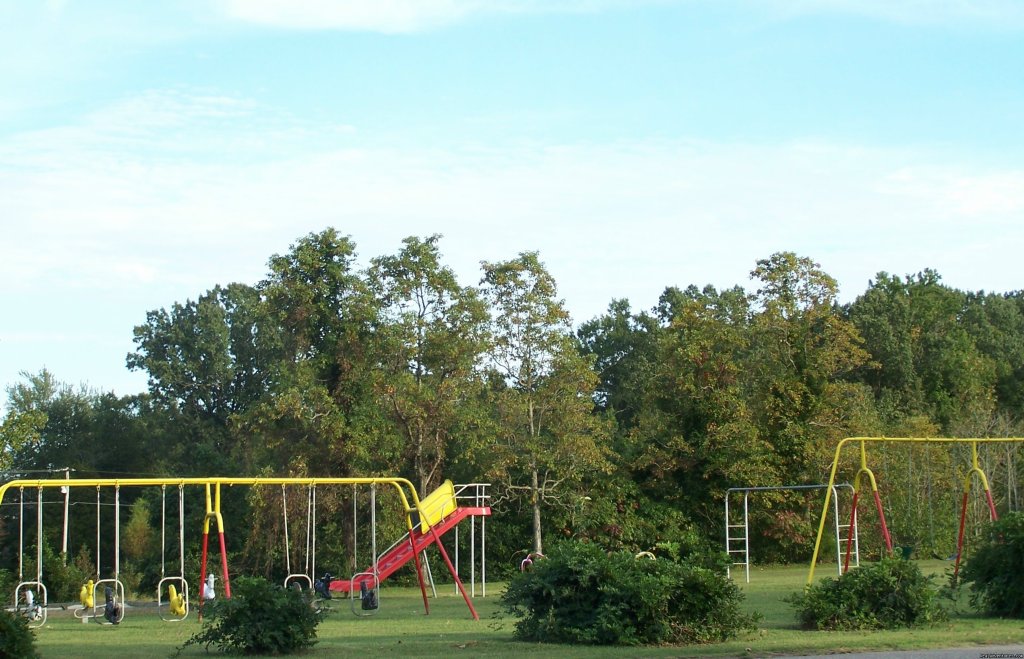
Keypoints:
(436, 506)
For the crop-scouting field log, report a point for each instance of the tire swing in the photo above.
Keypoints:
(175, 608)
(30, 598)
(369, 597)
(111, 611)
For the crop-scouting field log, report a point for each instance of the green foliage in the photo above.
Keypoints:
(580, 594)
(627, 433)
(542, 391)
(62, 579)
(996, 568)
(890, 594)
(260, 618)
(17, 641)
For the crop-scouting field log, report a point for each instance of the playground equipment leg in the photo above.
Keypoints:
(849, 540)
(455, 575)
(975, 469)
(419, 573)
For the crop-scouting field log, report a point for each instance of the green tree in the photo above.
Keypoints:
(996, 324)
(19, 431)
(803, 354)
(543, 390)
(697, 435)
(320, 402)
(430, 338)
(207, 360)
(624, 348)
(928, 360)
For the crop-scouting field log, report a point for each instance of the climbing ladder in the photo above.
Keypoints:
(737, 536)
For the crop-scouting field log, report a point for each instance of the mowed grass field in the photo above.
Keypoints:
(401, 629)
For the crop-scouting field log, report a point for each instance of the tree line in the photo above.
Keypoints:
(626, 430)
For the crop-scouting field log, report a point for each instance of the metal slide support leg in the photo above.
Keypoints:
(455, 575)
(419, 573)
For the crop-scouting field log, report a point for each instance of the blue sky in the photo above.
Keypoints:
(149, 151)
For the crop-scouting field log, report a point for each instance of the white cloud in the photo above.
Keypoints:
(398, 16)
(159, 204)
(1006, 14)
(406, 16)
(101, 223)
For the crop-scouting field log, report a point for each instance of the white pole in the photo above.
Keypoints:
(312, 575)
(117, 532)
(746, 533)
(309, 528)
(21, 538)
(835, 511)
(728, 566)
(373, 530)
(163, 530)
(181, 530)
(67, 494)
(98, 577)
(287, 544)
(39, 537)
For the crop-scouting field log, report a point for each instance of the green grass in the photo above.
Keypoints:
(401, 629)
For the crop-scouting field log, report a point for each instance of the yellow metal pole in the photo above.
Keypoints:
(824, 509)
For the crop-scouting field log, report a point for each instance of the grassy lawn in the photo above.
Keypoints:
(401, 629)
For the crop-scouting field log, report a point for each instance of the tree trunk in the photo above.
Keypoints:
(538, 547)
(421, 469)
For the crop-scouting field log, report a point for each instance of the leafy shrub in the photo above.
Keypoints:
(16, 639)
(260, 618)
(885, 595)
(62, 579)
(579, 594)
(996, 569)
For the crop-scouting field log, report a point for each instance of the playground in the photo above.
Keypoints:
(402, 629)
(445, 617)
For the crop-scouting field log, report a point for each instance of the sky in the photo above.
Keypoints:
(151, 151)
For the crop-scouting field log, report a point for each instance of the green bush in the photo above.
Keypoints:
(580, 594)
(260, 618)
(885, 595)
(63, 579)
(996, 569)
(16, 639)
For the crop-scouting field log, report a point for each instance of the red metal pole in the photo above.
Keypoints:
(991, 505)
(881, 516)
(960, 537)
(849, 533)
(202, 571)
(419, 571)
(224, 566)
(451, 568)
